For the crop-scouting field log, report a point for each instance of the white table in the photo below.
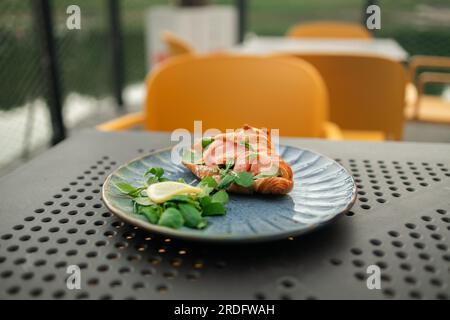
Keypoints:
(388, 48)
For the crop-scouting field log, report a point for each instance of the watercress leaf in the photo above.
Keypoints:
(207, 185)
(192, 217)
(220, 196)
(181, 198)
(203, 224)
(207, 141)
(125, 187)
(152, 180)
(185, 199)
(244, 179)
(206, 191)
(208, 181)
(156, 171)
(226, 181)
(151, 213)
(169, 204)
(136, 193)
(204, 201)
(246, 145)
(229, 165)
(171, 218)
(214, 209)
(137, 208)
(143, 201)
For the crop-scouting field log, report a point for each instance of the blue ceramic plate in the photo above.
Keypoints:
(323, 190)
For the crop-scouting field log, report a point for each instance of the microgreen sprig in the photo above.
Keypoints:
(228, 177)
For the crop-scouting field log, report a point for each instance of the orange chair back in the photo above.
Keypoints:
(175, 45)
(365, 92)
(226, 92)
(329, 30)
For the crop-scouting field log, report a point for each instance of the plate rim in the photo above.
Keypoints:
(175, 233)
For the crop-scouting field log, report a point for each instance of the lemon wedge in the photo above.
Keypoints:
(163, 191)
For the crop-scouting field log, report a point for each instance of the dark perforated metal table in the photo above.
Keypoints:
(51, 216)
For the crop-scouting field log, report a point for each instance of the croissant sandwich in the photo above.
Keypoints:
(242, 161)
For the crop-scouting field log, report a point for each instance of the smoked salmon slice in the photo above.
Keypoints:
(246, 149)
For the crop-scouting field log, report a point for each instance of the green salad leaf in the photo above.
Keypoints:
(246, 144)
(214, 209)
(209, 182)
(192, 216)
(226, 181)
(180, 210)
(244, 179)
(143, 201)
(204, 201)
(152, 213)
(128, 189)
(171, 218)
(208, 185)
(207, 141)
(157, 172)
(220, 197)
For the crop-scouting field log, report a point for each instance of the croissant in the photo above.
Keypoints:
(250, 150)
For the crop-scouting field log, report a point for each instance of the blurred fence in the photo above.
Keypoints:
(88, 74)
(84, 73)
(24, 120)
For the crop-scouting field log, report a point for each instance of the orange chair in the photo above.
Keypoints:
(329, 29)
(426, 107)
(229, 91)
(175, 45)
(366, 94)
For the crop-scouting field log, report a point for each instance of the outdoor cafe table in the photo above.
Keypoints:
(51, 217)
(388, 48)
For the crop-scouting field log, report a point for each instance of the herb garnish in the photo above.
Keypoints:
(246, 144)
(207, 141)
(180, 210)
(228, 177)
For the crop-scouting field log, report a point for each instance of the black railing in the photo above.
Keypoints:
(49, 66)
(242, 7)
(52, 85)
(49, 63)
(117, 67)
